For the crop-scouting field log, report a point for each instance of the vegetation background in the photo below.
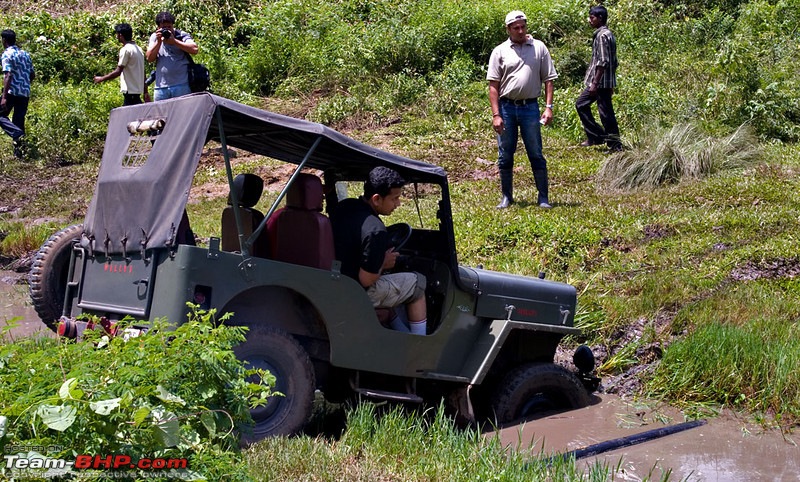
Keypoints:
(687, 274)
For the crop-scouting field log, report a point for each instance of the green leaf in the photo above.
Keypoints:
(167, 429)
(140, 415)
(104, 407)
(166, 396)
(209, 422)
(68, 390)
(57, 417)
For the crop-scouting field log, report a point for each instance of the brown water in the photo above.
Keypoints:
(726, 449)
(15, 303)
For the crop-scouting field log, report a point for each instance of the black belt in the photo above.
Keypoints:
(518, 101)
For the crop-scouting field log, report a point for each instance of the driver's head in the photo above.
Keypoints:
(383, 188)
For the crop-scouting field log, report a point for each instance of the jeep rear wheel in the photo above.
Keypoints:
(277, 351)
(48, 276)
(535, 388)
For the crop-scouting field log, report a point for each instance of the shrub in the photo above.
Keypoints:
(67, 123)
(169, 393)
(679, 153)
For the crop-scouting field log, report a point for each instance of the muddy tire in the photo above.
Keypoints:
(536, 388)
(48, 276)
(277, 351)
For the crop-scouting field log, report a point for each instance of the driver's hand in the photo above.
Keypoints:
(390, 258)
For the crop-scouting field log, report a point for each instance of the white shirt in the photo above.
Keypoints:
(521, 69)
(131, 59)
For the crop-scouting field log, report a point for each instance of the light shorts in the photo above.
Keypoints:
(395, 289)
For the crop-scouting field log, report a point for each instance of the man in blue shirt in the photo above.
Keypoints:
(170, 49)
(17, 76)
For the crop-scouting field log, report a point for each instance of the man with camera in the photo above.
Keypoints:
(170, 49)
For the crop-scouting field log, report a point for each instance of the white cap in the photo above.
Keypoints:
(515, 15)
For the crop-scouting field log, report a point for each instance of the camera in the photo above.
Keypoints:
(166, 33)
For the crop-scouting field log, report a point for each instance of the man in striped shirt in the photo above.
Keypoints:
(17, 76)
(600, 80)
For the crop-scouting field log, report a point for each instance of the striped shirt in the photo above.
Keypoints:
(604, 54)
(18, 63)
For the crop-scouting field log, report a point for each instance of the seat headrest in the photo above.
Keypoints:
(305, 193)
(248, 189)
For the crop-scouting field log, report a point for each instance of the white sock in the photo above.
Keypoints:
(419, 327)
(397, 324)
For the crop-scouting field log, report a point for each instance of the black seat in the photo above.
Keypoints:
(248, 191)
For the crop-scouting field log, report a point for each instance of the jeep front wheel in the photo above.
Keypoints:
(277, 351)
(535, 388)
(48, 276)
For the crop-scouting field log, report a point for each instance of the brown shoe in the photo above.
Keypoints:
(588, 143)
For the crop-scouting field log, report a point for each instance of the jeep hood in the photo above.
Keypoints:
(520, 298)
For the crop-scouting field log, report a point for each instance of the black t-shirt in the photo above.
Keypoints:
(359, 236)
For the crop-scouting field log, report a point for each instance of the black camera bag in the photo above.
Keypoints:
(199, 76)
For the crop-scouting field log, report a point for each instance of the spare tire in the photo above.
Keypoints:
(48, 276)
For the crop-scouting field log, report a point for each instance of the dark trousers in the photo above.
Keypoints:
(609, 132)
(131, 99)
(15, 127)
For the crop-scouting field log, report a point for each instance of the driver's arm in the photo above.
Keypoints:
(368, 279)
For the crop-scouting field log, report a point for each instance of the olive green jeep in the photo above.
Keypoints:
(492, 337)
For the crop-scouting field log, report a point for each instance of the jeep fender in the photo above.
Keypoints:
(507, 343)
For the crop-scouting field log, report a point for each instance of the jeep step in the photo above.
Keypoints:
(392, 396)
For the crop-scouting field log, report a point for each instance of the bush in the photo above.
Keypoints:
(682, 152)
(171, 394)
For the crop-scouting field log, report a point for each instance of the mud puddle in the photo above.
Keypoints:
(726, 448)
(15, 304)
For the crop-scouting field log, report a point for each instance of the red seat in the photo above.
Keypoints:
(299, 233)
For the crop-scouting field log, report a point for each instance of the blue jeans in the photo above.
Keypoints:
(172, 91)
(524, 120)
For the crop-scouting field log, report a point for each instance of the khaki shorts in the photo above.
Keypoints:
(395, 289)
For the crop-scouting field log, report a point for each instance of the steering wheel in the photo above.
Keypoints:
(399, 234)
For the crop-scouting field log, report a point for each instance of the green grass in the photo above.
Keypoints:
(752, 364)
(381, 444)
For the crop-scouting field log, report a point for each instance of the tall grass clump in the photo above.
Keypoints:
(18, 239)
(752, 366)
(682, 152)
(397, 445)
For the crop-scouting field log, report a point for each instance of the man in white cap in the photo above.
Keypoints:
(518, 68)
